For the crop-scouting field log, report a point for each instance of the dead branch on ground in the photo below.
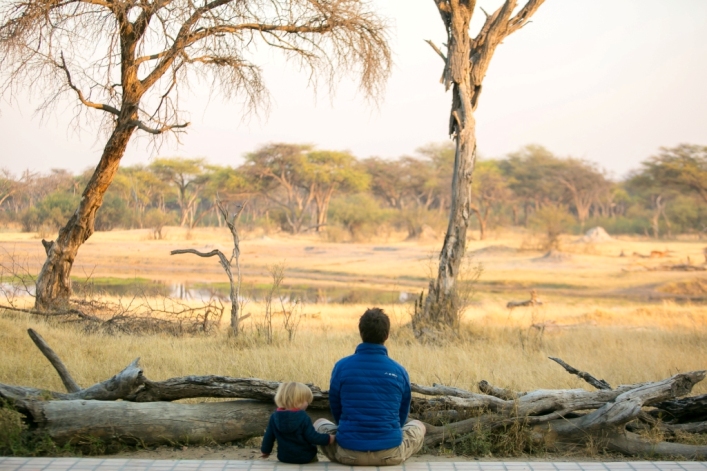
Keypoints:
(554, 419)
(141, 314)
(533, 301)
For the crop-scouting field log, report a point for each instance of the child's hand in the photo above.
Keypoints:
(265, 456)
(332, 439)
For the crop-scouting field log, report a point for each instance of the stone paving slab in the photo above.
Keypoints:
(98, 464)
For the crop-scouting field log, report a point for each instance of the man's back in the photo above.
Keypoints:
(370, 399)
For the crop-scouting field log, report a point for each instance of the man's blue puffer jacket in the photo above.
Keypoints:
(370, 399)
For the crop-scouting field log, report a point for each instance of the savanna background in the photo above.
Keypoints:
(325, 235)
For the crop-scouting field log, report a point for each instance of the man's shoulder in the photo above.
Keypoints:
(398, 365)
(370, 361)
(344, 361)
(400, 369)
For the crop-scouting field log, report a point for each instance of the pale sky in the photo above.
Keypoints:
(609, 81)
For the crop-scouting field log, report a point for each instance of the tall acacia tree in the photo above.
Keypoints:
(465, 65)
(129, 59)
(331, 171)
(188, 177)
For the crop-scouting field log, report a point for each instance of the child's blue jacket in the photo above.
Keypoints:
(296, 437)
(370, 398)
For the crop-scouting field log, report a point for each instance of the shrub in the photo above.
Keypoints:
(553, 221)
(359, 214)
(112, 213)
(156, 220)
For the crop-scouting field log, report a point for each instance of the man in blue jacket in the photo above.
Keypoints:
(370, 396)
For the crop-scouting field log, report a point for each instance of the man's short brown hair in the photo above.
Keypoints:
(374, 326)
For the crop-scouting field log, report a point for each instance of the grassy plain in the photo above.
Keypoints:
(602, 313)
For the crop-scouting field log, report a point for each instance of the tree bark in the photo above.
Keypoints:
(54, 280)
(630, 444)
(465, 66)
(121, 386)
(217, 386)
(153, 423)
(689, 409)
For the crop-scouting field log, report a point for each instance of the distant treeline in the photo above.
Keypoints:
(297, 188)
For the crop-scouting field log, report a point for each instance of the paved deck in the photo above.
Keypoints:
(91, 464)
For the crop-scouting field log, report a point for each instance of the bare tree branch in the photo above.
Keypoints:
(597, 383)
(140, 125)
(436, 49)
(82, 99)
(69, 383)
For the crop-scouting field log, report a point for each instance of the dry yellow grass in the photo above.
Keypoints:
(596, 315)
(623, 345)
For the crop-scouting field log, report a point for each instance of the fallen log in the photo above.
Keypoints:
(670, 429)
(538, 402)
(188, 387)
(689, 409)
(120, 386)
(555, 419)
(605, 426)
(631, 444)
(152, 423)
(501, 393)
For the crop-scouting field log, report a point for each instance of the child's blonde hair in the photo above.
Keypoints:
(292, 395)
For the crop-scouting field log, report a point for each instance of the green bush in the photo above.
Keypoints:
(414, 220)
(156, 220)
(113, 213)
(359, 214)
(55, 210)
(552, 221)
(29, 218)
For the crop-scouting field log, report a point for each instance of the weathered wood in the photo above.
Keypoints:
(120, 386)
(153, 423)
(597, 383)
(556, 419)
(608, 420)
(235, 292)
(632, 445)
(56, 362)
(542, 401)
(465, 66)
(501, 393)
(440, 390)
(188, 387)
(672, 429)
(688, 409)
(546, 411)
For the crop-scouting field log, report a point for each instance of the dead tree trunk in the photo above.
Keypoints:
(226, 263)
(465, 66)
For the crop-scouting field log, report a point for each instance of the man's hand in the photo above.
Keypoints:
(332, 439)
(265, 456)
